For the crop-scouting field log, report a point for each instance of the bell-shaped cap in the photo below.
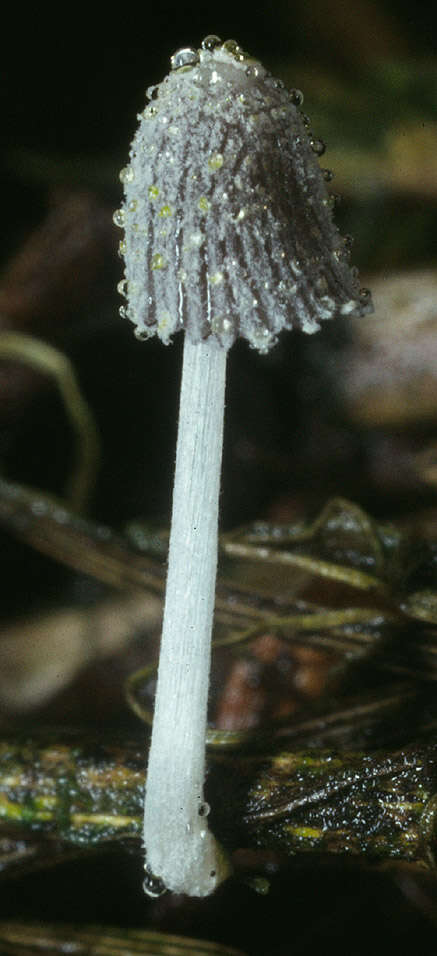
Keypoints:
(227, 218)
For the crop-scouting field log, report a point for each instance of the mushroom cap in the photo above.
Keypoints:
(227, 218)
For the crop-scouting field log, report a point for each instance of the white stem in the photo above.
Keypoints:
(180, 850)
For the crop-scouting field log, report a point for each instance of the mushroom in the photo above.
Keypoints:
(228, 232)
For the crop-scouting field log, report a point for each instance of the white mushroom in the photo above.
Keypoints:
(228, 232)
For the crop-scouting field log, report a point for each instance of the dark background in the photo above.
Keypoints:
(74, 79)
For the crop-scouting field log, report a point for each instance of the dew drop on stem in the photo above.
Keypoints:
(152, 885)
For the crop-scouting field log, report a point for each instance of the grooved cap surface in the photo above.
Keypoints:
(227, 218)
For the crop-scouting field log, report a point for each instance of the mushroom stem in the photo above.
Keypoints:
(180, 850)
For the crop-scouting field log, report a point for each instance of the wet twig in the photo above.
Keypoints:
(87, 794)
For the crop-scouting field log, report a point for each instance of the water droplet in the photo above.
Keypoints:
(210, 42)
(157, 261)
(232, 47)
(123, 312)
(296, 97)
(152, 885)
(164, 319)
(328, 175)
(216, 278)
(318, 146)
(142, 335)
(152, 91)
(122, 247)
(203, 204)
(296, 266)
(126, 175)
(196, 239)
(132, 205)
(204, 809)
(118, 218)
(188, 56)
(153, 192)
(165, 211)
(215, 161)
(149, 113)
(122, 287)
